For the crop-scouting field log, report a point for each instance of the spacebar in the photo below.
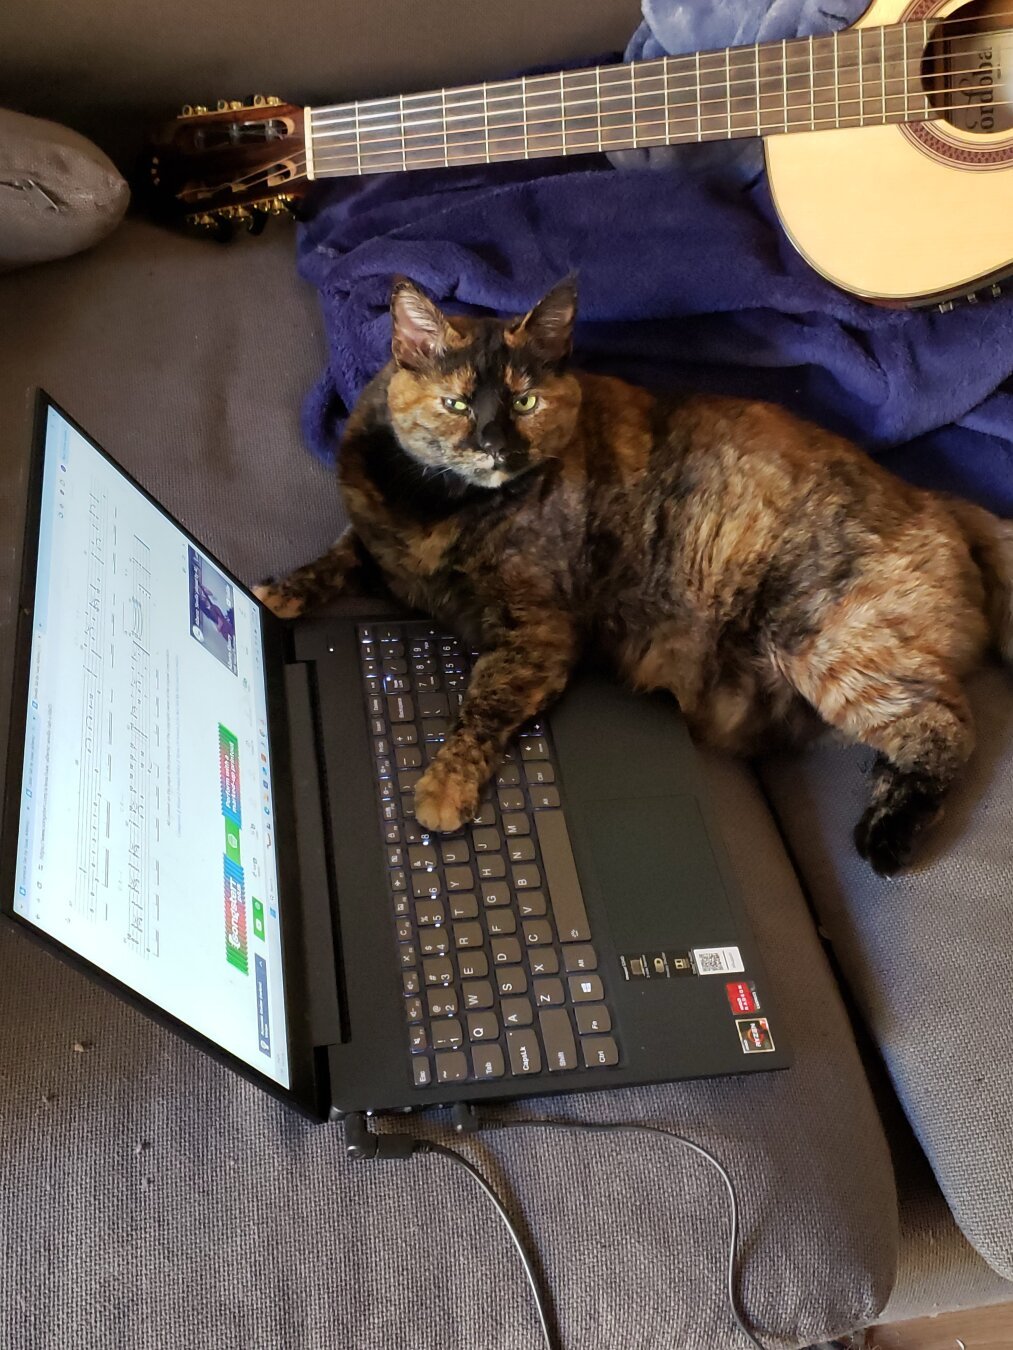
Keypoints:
(561, 874)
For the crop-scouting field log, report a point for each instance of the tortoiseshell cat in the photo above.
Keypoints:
(759, 568)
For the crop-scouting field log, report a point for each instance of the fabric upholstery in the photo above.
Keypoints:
(928, 954)
(58, 192)
(159, 1201)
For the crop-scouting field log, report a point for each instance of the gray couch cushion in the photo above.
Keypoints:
(160, 1201)
(929, 954)
(59, 194)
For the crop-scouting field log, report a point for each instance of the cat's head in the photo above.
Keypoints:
(485, 399)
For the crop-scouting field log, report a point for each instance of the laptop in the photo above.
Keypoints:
(211, 812)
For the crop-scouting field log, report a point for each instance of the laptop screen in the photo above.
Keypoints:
(146, 838)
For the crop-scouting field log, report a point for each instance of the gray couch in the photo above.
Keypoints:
(147, 1197)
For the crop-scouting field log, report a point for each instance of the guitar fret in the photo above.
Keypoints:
(812, 88)
(728, 88)
(524, 113)
(358, 142)
(837, 87)
(668, 102)
(404, 144)
(699, 96)
(756, 76)
(882, 68)
(597, 99)
(903, 29)
(784, 78)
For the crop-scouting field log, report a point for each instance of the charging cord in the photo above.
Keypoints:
(362, 1143)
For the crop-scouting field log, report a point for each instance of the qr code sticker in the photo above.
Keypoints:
(717, 960)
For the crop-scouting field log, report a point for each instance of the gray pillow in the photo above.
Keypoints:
(58, 192)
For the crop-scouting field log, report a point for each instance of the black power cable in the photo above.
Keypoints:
(361, 1142)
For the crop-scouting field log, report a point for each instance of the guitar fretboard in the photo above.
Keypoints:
(854, 78)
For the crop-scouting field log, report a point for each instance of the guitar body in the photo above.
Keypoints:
(906, 214)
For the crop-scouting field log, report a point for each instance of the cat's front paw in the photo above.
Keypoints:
(278, 600)
(886, 836)
(445, 799)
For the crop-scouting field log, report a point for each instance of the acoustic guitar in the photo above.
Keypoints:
(889, 145)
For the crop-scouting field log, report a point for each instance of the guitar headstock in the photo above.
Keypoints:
(215, 169)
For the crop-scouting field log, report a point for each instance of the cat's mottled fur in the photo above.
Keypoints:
(764, 571)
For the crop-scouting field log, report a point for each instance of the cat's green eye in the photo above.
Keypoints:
(525, 402)
(457, 405)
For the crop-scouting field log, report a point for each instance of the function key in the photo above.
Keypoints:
(406, 955)
(421, 1071)
(487, 1061)
(410, 982)
(592, 1018)
(417, 1039)
(413, 1009)
(384, 768)
(398, 879)
(404, 930)
(395, 856)
(599, 1051)
(392, 833)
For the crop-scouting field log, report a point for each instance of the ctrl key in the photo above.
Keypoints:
(599, 1051)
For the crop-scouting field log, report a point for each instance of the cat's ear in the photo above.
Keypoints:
(421, 332)
(549, 326)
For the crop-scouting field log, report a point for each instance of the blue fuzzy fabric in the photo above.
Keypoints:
(686, 280)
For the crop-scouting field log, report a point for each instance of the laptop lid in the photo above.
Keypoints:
(147, 832)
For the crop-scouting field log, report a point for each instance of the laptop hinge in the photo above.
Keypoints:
(321, 955)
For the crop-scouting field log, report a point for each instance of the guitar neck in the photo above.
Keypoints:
(849, 79)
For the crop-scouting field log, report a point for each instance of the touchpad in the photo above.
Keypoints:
(656, 872)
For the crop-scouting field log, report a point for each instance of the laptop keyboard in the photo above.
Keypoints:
(498, 966)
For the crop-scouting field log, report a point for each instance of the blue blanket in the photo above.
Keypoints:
(686, 280)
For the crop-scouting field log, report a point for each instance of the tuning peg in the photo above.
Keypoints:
(273, 101)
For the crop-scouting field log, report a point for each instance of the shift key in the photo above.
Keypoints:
(561, 875)
(557, 1037)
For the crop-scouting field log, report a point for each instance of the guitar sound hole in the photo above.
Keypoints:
(968, 67)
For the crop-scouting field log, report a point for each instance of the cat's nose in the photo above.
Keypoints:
(491, 439)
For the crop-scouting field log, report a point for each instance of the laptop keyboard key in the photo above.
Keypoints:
(508, 775)
(561, 875)
(491, 866)
(410, 982)
(557, 1037)
(515, 823)
(511, 799)
(437, 970)
(511, 980)
(599, 1051)
(408, 758)
(548, 993)
(592, 1019)
(413, 1010)
(468, 935)
(495, 893)
(463, 906)
(434, 705)
(487, 1061)
(500, 921)
(442, 1002)
(447, 1034)
(525, 1056)
(539, 771)
(486, 814)
(483, 1026)
(544, 798)
(531, 904)
(534, 747)
(455, 851)
(516, 1012)
(417, 1039)
(486, 841)
(473, 965)
(435, 729)
(459, 878)
(582, 957)
(434, 942)
(586, 989)
(400, 708)
(406, 954)
(426, 885)
(404, 735)
(421, 858)
(506, 951)
(477, 995)
(451, 1066)
(429, 912)
(421, 1071)
(543, 961)
(537, 932)
(526, 876)
(520, 849)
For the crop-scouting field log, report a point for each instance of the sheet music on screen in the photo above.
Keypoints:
(146, 840)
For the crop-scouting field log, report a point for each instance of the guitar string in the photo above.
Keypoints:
(617, 74)
(566, 111)
(614, 137)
